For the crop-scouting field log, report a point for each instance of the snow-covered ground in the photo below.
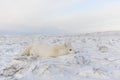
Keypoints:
(96, 57)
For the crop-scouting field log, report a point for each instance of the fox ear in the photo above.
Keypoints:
(66, 44)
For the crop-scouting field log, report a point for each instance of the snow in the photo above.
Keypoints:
(96, 57)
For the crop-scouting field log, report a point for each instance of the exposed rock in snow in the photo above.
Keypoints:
(96, 57)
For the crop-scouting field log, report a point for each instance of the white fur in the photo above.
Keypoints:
(42, 50)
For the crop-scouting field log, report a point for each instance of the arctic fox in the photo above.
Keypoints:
(43, 50)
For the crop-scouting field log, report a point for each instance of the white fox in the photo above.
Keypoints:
(43, 50)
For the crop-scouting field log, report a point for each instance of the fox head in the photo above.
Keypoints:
(68, 48)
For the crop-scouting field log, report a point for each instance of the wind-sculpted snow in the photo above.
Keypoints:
(96, 57)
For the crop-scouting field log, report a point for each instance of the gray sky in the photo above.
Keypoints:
(52, 16)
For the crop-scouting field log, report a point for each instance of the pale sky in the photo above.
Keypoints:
(58, 16)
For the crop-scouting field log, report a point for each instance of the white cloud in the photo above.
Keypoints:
(105, 19)
(22, 11)
(64, 14)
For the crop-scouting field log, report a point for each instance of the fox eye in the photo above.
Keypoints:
(70, 49)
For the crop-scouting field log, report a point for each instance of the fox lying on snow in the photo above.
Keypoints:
(43, 50)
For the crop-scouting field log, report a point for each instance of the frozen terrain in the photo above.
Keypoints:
(96, 57)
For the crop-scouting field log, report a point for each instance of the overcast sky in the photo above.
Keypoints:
(52, 16)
